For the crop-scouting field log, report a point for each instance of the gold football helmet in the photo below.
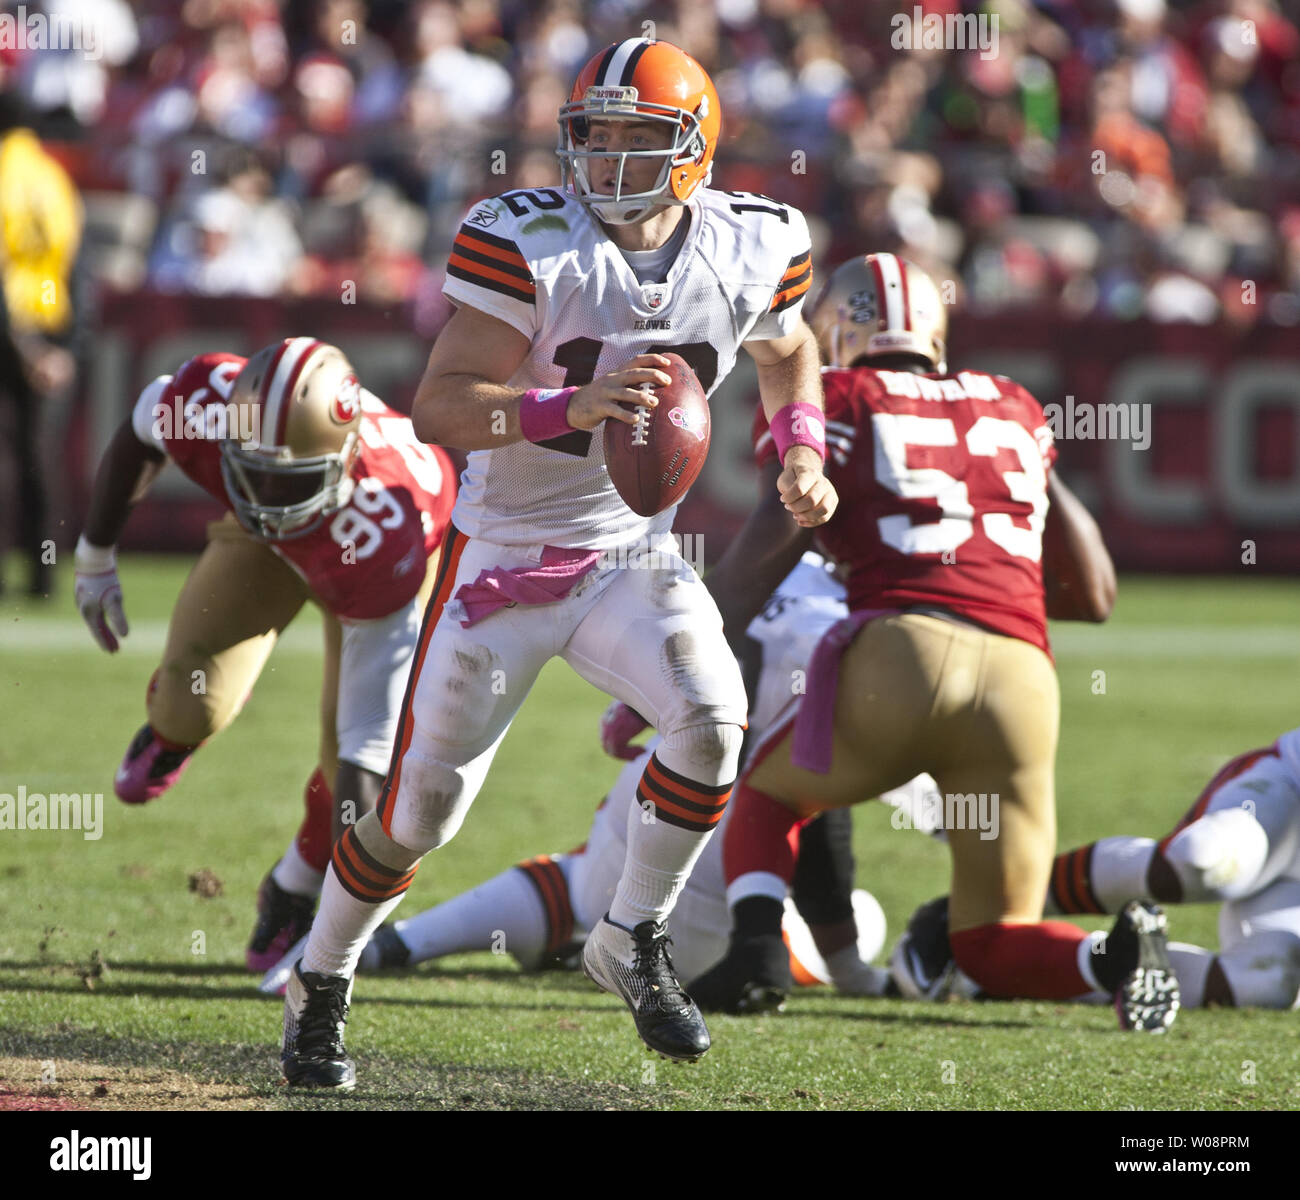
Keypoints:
(301, 399)
(880, 304)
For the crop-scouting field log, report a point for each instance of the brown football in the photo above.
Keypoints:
(654, 462)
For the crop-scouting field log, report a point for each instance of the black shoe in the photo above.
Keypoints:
(311, 1049)
(1133, 964)
(634, 965)
(922, 964)
(393, 952)
(282, 920)
(754, 977)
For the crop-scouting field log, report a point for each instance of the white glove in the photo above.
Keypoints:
(99, 593)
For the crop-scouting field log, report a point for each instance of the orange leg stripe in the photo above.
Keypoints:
(545, 889)
(706, 799)
(1081, 888)
(362, 882)
(668, 809)
(455, 543)
(1060, 883)
(365, 871)
(564, 927)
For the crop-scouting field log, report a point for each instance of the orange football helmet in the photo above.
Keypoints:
(880, 304)
(301, 399)
(638, 79)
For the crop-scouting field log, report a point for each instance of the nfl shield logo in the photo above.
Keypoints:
(654, 294)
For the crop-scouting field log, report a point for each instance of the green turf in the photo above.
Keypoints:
(1195, 671)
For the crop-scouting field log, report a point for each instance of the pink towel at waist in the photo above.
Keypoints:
(556, 576)
(815, 722)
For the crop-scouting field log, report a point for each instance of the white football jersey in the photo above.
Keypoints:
(540, 262)
(802, 609)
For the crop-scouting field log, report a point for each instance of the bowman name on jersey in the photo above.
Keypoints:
(540, 262)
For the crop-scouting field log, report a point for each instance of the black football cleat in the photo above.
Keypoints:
(922, 965)
(753, 977)
(1146, 992)
(282, 920)
(634, 965)
(311, 1049)
(393, 952)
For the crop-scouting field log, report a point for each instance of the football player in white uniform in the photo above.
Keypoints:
(1239, 845)
(565, 301)
(541, 910)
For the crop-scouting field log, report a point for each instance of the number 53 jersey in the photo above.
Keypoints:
(943, 493)
(540, 262)
(366, 560)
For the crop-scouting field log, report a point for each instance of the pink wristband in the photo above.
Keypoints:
(799, 425)
(544, 413)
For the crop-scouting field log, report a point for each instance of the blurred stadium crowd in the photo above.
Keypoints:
(1124, 158)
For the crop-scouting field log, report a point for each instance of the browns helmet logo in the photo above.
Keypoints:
(347, 403)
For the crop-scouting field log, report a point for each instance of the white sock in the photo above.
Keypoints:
(1085, 955)
(1192, 966)
(505, 915)
(294, 875)
(1119, 871)
(342, 927)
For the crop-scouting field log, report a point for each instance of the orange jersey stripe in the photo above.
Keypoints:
(513, 257)
(474, 268)
(796, 268)
(791, 293)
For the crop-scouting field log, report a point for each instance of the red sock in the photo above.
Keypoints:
(761, 835)
(1029, 962)
(313, 840)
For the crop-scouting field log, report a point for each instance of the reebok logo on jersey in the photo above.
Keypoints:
(483, 217)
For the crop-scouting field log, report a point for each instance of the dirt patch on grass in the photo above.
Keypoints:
(60, 1083)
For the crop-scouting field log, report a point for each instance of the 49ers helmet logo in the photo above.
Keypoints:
(347, 403)
(684, 420)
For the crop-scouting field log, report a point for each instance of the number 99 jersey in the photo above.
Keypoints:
(366, 560)
(943, 493)
(540, 262)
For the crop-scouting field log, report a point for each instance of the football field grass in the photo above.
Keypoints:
(121, 985)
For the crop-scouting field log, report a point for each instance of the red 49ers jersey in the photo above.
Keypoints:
(368, 559)
(942, 483)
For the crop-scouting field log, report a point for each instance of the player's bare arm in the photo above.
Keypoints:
(464, 400)
(788, 373)
(126, 472)
(1078, 575)
(762, 554)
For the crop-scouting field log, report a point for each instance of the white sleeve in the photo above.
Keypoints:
(487, 270)
(791, 279)
(145, 415)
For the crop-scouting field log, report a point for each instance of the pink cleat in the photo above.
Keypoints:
(282, 919)
(150, 767)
